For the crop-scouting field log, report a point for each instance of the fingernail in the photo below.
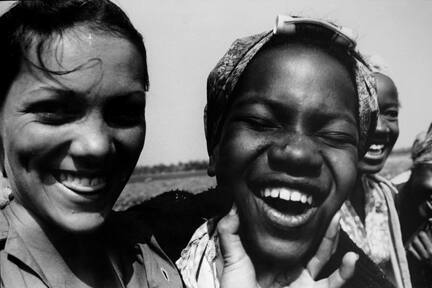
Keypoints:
(233, 210)
(357, 256)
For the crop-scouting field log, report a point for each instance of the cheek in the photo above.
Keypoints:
(344, 170)
(394, 128)
(27, 143)
(237, 151)
(131, 141)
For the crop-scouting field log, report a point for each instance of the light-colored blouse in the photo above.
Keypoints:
(380, 236)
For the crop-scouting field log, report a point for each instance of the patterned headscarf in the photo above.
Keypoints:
(421, 151)
(224, 77)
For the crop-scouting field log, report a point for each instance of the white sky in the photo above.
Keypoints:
(186, 38)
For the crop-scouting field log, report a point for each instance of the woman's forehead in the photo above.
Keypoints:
(290, 69)
(82, 67)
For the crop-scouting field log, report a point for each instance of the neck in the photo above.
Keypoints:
(42, 235)
(275, 275)
(65, 257)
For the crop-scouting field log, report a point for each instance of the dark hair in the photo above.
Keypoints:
(33, 23)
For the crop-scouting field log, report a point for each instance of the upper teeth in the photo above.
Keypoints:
(70, 179)
(287, 194)
(376, 147)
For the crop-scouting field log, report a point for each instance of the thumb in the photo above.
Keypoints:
(230, 243)
(238, 270)
(327, 247)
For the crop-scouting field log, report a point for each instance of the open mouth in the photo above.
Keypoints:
(376, 150)
(286, 207)
(86, 184)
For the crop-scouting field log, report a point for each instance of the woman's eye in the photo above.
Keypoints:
(257, 123)
(391, 114)
(53, 112)
(337, 139)
(125, 115)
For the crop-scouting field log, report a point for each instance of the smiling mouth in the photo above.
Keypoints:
(81, 183)
(376, 149)
(286, 207)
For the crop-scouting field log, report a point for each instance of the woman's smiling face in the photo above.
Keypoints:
(71, 140)
(387, 130)
(288, 150)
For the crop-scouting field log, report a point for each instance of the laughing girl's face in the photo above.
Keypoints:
(387, 130)
(72, 140)
(288, 150)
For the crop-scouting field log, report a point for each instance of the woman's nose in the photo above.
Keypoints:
(92, 140)
(296, 155)
(381, 126)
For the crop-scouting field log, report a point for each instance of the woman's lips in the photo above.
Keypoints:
(376, 153)
(81, 183)
(286, 208)
(376, 149)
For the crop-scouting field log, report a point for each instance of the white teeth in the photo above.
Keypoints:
(376, 147)
(275, 193)
(303, 199)
(295, 196)
(85, 182)
(287, 195)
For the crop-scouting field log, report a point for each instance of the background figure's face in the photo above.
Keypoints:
(288, 151)
(387, 130)
(71, 141)
(421, 183)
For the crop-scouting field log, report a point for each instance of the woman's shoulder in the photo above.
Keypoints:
(174, 216)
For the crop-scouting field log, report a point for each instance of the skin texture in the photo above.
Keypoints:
(387, 130)
(88, 123)
(292, 124)
(413, 208)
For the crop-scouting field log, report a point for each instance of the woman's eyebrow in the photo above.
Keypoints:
(325, 115)
(51, 92)
(252, 100)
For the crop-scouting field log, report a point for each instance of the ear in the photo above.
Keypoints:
(211, 169)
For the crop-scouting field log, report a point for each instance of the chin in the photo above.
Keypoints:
(369, 168)
(81, 223)
(281, 252)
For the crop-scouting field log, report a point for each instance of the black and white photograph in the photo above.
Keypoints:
(216, 144)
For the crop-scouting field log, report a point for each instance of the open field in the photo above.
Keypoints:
(142, 187)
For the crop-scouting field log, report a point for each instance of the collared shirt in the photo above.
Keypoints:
(122, 236)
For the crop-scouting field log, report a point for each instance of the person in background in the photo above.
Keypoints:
(415, 209)
(288, 115)
(369, 216)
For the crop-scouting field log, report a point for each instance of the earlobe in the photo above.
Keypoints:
(211, 169)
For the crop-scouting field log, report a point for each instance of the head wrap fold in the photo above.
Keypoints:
(421, 151)
(224, 77)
